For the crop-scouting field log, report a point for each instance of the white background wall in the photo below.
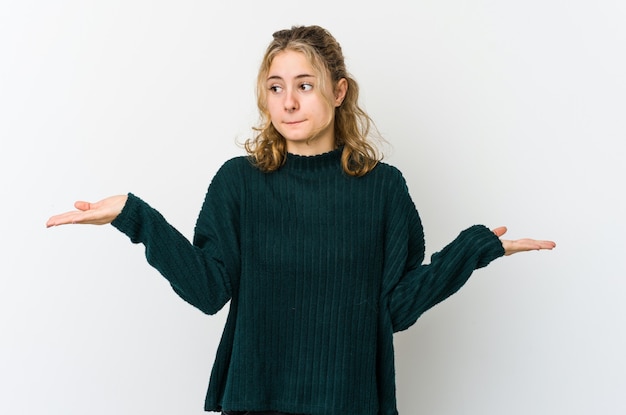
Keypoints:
(504, 113)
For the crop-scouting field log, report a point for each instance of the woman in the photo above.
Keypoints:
(315, 242)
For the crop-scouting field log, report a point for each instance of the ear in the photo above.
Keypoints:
(340, 91)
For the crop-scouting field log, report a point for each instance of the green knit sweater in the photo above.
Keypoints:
(320, 269)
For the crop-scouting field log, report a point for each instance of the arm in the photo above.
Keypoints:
(421, 286)
(425, 285)
(200, 272)
(197, 274)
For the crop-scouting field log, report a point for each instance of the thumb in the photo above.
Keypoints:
(499, 231)
(80, 205)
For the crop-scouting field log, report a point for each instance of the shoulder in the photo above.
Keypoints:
(231, 176)
(237, 163)
(394, 187)
(391, 175)
(235, 169)
(387, 169)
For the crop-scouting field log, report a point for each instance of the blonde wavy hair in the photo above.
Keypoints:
(353, 127)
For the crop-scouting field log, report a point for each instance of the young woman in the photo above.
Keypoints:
(315, 242)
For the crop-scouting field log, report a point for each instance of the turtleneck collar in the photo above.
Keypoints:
(315, 162)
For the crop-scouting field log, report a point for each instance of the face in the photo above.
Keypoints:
(300, 110)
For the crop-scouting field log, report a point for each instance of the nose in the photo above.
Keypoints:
(291, 101)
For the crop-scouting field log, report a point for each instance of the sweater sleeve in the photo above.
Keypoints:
(199, 272)
(422, 286)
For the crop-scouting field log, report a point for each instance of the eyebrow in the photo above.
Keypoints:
(276, 77)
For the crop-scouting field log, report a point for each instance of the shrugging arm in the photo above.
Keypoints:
(201, 272)
(424, 286)
(421, 286)
(196, 274)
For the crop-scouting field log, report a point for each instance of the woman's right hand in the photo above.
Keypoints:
(99, 213)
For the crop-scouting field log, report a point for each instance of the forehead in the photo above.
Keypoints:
(290, 63)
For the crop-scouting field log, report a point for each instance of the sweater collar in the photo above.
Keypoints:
(316, 162)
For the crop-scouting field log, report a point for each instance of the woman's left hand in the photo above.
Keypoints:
(521, 245)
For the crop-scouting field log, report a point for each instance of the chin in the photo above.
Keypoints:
(297, 139)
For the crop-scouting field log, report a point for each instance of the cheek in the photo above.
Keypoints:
(273, 102)
(275, 114)
(322, 110)
(323, 104)
(272, 108)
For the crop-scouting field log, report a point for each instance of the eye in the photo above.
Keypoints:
(306, 87)
(275, 88)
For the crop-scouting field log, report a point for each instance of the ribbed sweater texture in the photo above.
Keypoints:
(320, 269)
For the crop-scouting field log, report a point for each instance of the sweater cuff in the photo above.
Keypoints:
(490, 245)
(126, 222)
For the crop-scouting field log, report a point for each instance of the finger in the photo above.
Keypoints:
(534, 244)
(524, 245)
(499, 231)
(64, 219)
(81, 205)
(547, 244)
